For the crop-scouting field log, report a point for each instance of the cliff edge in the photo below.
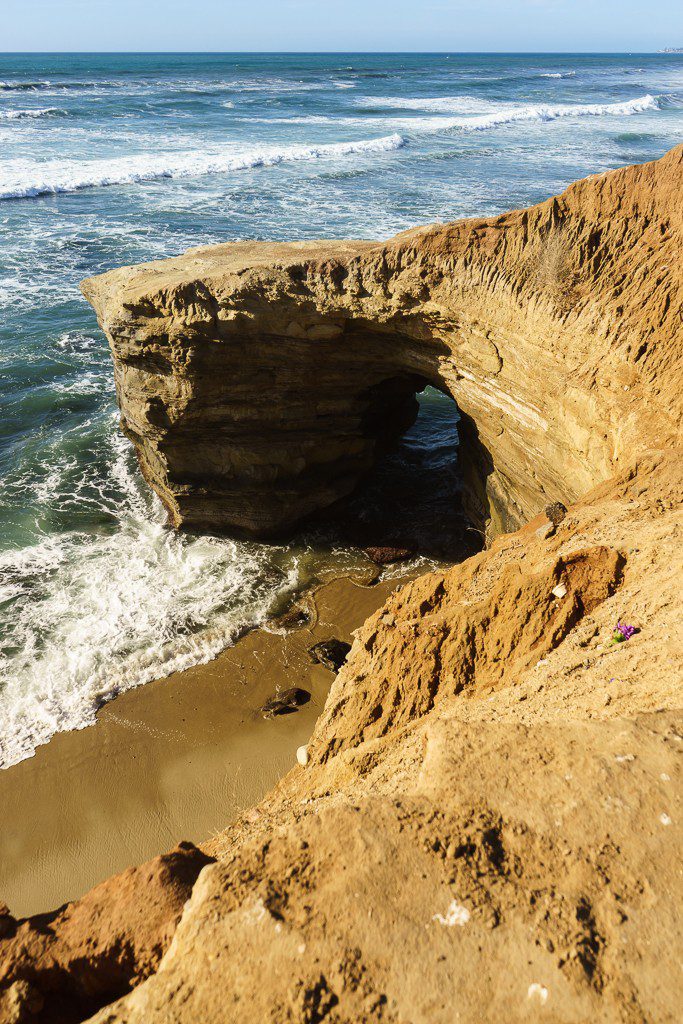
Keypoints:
(259, 381)
(488, 824)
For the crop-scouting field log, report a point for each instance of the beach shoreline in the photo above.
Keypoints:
(178, 758)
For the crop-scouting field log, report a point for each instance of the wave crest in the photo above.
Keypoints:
(481, 115)
(548, 112)
(28, 179)
(18, 115)
(23, 86)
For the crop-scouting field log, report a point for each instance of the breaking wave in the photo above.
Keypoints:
(23, 86)
(480, 115)
(43, 85)
(549, 112)
(435, 105)
(24, 179)
(17, 115)
(501, 113)
(92, 617)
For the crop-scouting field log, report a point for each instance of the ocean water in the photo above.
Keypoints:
(113, 159)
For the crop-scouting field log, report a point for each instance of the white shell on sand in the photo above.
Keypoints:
(538, 992)
(456, 914)
(302, 755)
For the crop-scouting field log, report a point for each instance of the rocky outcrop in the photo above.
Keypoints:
(486, 823)
(487, 833)
(61, 967)
(258, 382)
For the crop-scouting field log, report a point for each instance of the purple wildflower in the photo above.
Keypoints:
(622, 632)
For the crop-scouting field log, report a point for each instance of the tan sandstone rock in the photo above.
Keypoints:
(259, 381)
(505, 851)
(489, 823)
(60, 967)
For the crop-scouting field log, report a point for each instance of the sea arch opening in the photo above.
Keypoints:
(412, 498)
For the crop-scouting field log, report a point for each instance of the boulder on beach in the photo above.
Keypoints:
(330, 653)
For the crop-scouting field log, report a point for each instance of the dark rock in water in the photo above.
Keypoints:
(295, 617)
(330, 653)
(386, 553)
(556, 512)
(285, 701)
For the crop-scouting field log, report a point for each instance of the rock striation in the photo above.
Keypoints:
(486, 823)
(480, 831)
(258, 382)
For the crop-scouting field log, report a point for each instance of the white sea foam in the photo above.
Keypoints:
(77, 342)
(436, 105)
(250, 85)
(16, 115)
(93, 616)
(511, 114)
(44, 85)
(480, 118)
(321, 119)
(558, 74)
(21, 179)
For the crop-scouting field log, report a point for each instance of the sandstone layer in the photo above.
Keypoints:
(259, 381)
(488, 823)
(479, 837)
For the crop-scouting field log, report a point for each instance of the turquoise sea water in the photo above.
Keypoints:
(113, 159)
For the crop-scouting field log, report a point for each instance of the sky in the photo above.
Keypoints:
(346, 25)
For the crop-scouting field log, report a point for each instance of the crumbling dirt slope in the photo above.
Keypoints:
(488, 825)
(510, 850)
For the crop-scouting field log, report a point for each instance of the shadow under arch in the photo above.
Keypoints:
(426, 491)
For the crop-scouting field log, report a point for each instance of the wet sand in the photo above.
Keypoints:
(175, 759)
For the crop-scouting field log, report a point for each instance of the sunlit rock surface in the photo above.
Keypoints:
(259, 381)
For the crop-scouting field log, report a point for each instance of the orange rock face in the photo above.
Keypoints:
(487, 823)
(63, 966)
(259, 381)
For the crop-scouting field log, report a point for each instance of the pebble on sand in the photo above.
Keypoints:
(538, 992)
(302, 755)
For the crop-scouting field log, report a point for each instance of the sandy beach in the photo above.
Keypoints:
(175, 759)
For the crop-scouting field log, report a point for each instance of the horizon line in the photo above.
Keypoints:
(672, 52)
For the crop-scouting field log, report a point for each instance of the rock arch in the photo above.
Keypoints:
(258, 381)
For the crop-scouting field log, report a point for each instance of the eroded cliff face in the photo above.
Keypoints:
(259, 381)
(488, 826)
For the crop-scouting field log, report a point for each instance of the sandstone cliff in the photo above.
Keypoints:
(489, 824)
(478, 836)
(258, 381)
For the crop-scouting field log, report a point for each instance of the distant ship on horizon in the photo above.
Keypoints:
(671, 49)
